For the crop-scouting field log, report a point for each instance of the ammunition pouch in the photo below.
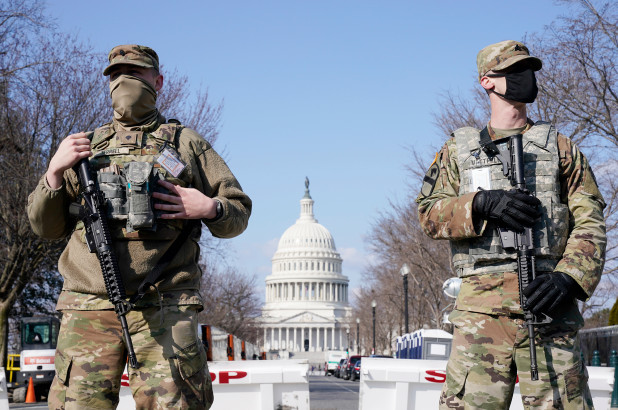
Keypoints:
(140, 215)
(113, 187)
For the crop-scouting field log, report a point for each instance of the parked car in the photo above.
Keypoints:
(349, 366)
(338, 372)
(356, 371)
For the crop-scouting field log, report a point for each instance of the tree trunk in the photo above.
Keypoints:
(5, 307)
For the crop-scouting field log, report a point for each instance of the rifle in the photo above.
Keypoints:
(99, 240)
(523, 243)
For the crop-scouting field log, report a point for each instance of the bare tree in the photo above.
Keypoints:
(231, 300)
(35, 113)
(396, 238)
(51, 85)
(192, 108)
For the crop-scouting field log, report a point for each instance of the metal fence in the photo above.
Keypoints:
(602, 339)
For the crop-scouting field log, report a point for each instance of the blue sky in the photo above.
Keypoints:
(333, 90)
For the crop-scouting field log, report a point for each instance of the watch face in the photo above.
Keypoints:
(219, 209)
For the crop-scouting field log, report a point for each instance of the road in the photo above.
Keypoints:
(330, 393)
(325, 393)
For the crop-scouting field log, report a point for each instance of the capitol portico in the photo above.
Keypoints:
(307, 305)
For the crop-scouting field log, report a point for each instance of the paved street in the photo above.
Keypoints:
(325, 393)
(330, 393)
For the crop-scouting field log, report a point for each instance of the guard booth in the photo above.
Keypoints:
(426, 344)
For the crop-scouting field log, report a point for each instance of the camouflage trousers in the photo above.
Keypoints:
(91, 357)
(491, 353)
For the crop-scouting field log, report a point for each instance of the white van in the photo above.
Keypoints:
(333, 358)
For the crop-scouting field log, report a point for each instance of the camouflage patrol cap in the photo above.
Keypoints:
(500, 56)
(133, 54)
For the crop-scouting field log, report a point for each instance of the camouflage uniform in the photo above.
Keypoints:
(491, 346)
(91, 354)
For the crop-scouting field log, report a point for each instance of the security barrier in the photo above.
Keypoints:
(4, 397)
(416, 384)
(223, 346)
(251, 385)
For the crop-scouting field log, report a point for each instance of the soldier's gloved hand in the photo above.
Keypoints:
(513, 210)
(548, 292)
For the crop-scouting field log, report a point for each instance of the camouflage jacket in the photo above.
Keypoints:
(206, 171)
(446, 215)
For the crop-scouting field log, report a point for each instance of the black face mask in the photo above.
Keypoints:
(520, 86)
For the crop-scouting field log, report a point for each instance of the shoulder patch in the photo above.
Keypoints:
(431, 177)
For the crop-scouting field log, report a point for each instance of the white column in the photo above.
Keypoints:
(287, 338)
(332, 346)
(272, 337)
(302, 339)
(310, 344)
(279, 338)
(295, 348)
(325, 339)
(340, 338)
(265, 339)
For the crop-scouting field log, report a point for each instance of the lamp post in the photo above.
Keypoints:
(347, 340)
(373, 312)
(357, 336)
(405, 270)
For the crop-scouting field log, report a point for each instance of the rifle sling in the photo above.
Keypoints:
(487, 145)
(156, 273)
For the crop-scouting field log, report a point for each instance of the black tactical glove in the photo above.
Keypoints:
(548, 292)
(513, 210)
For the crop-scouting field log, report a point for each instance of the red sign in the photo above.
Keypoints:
(435, 376)
(225, 376)
(39, 360)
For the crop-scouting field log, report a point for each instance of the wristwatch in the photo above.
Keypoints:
(219, 211)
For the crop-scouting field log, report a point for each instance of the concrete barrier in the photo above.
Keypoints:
(251, 385)
(4, 395)
(416, 384)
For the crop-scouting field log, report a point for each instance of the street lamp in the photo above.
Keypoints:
(347, 333)
(373, 311)
(357, 336)
(405, 270)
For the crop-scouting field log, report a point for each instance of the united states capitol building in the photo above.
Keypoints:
(307, 308)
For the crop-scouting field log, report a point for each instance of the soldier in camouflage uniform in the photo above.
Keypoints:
(157, 177)
(465, 197)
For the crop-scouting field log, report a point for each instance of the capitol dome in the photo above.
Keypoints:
(306, 248)
(306, 294)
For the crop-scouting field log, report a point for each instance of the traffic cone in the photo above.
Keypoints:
(30, 396)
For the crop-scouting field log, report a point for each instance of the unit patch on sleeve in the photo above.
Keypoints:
(429, 181)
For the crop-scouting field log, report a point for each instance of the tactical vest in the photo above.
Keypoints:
(127, 172)
(541, 171)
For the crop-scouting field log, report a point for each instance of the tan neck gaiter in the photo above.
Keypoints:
(134, 101)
